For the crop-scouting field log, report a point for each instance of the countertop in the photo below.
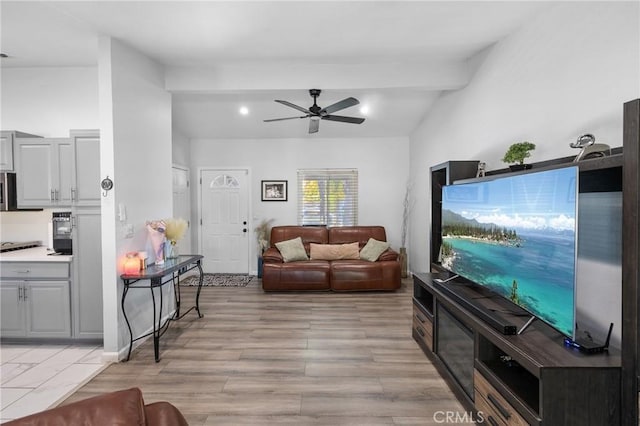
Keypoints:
(35, 254)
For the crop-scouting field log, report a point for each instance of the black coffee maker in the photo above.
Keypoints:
(62, 227)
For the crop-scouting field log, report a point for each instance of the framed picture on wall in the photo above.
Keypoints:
(274, 190)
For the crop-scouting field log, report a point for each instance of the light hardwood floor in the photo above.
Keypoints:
(289, 359)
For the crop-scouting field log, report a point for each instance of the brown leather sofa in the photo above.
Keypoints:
(336, 275)
(122, 408)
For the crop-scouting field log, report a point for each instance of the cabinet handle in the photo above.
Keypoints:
(57, 198)
(24, 293)
(505, 413)
(52, 195)
(73, 194)
(19, 293)
(421, 318)
(26, 271)
(492, 421)
(420, 332)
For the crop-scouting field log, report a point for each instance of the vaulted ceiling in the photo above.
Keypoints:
(395, 57)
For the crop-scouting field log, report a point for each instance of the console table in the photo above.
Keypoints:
(157, 276)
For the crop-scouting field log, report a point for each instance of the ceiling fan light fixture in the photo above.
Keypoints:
(364, 109)
(316, 113)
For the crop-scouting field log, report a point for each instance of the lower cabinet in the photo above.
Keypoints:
(87, 281)
(35, 309)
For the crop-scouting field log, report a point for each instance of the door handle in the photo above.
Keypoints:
(244, 230)
(244, 223)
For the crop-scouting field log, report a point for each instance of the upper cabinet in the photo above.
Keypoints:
(58, 172)
(86, 191)
(6, 148)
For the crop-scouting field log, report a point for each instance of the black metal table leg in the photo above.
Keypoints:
(199, 288)
(124, 313)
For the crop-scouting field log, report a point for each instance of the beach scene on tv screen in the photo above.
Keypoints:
(517, 236)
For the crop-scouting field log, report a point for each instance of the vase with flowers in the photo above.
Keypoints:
(175, 229)
(156, 230)
(262, 231)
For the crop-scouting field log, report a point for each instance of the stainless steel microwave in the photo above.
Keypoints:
(8, 192)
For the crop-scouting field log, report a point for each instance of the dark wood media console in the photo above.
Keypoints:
(531, 378)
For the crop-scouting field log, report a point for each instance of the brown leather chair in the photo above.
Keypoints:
(121, 408)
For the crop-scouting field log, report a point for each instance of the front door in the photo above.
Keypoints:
(224, 235)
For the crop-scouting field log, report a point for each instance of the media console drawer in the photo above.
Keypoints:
(423, 326)
(489, 401)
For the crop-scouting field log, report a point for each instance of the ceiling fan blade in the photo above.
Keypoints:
(343, 119)
(345, 103)
(314, 124)
(294, 106)
(286, 118)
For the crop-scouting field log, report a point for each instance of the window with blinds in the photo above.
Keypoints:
(328, 197)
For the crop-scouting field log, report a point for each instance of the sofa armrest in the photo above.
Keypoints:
(272, 255)
(123, 408)
(389, 254)
(164, 414)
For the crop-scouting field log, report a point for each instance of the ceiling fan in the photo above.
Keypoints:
(316, 113)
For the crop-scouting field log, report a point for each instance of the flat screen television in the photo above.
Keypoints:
(517, 236)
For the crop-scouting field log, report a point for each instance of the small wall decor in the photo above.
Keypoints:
(274, 190)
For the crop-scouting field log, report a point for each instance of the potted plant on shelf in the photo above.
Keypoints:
(517, 153)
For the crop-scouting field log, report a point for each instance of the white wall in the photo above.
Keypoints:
(135, 113)
(180, 149)
(381, 163)
(563, 74)
(49, 101)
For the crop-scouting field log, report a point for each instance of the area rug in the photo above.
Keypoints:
(219, 280)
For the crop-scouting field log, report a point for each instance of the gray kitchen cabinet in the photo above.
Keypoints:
(86, 190)
(6, 148)
(87, 282)
(48, 309)
(46, 172)
(12, 315)
(35, 309)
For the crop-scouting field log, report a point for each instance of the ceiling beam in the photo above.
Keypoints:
(270, 76)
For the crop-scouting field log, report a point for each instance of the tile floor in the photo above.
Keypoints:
(36, 377)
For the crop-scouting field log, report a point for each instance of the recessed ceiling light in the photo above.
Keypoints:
(364, 109)
(244, 110)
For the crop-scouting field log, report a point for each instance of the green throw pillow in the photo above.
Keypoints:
(373, 249)
(292, 250)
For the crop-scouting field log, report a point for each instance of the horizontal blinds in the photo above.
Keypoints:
(328, 197)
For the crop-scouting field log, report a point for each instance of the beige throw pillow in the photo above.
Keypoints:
(334, 251)
(373, 249)
(292, 250)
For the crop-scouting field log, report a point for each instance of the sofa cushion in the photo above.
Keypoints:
(373, 249)
(335, 251)
(361, 234)
(292, 250)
